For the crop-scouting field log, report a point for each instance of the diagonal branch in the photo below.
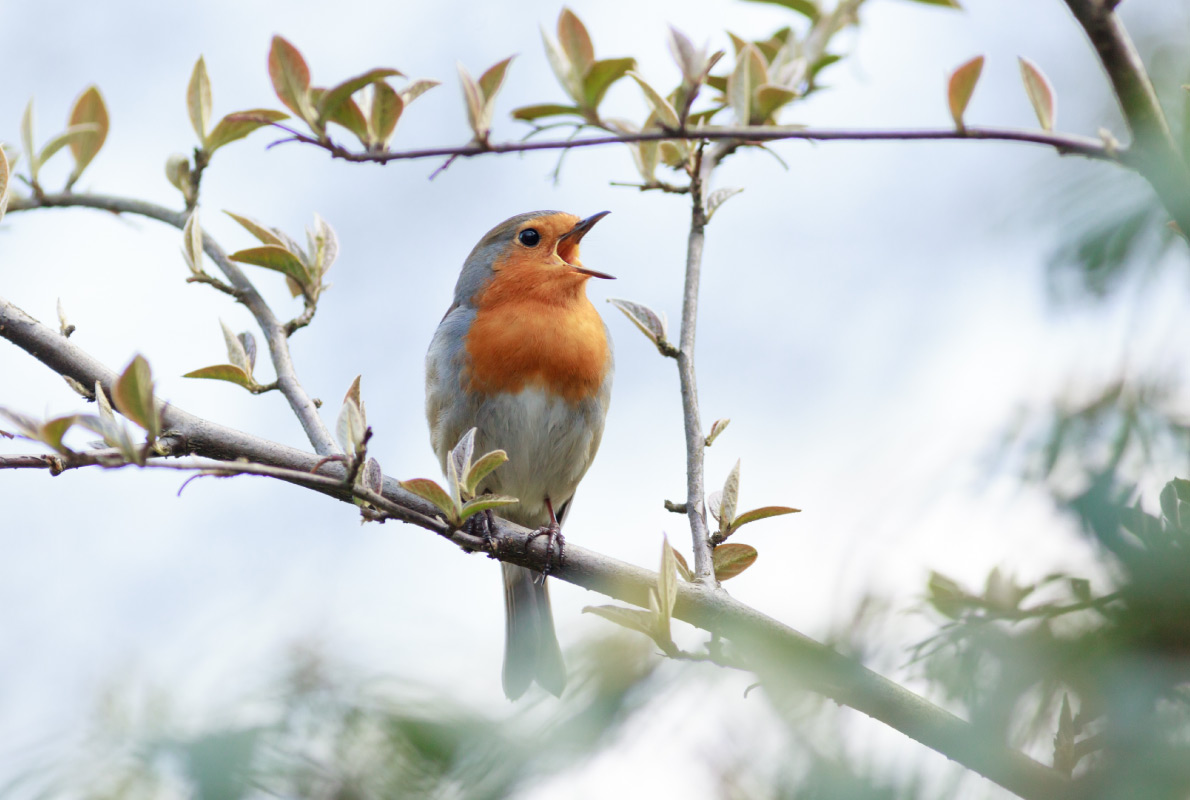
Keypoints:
(275, 332)
(779, 654)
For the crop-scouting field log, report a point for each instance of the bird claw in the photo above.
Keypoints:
(482, 525)
(553, 533)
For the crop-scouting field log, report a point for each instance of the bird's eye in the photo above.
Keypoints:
(529, 237)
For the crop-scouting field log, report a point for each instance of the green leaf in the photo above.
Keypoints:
(5, 176)
(27, 141)
(274, 257)
(493, 78)
(133, 395)
(1041, 94)
(633, 618)
(769, 99)
(430, 491)
(66, 137)
(564, 71)
(224, 372)
(575, 41)
(666, 114)
(600, 77)
(644, 318)
(239, 124)
(530, 113)
(291, 78)
(265, 235)
(961, 86)
(807, 8)
(88, 110)
(53, 431)
(944, 3)
(460, 456)
(350, 427)
(750, 72)
(645, 155)
(415, 89)
(476, 108)
(482, 468)
(236, 353)
(731, 559)
(330, 100)
(731, 492)
(683, 567)
(386, 110)
(483, 503)
(349, 115)
(717, 427)
(760, 513)
(177, 171)
(192, 248)
(198, 100)
(667, 586)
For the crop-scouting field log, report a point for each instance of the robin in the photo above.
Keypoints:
(524, 357)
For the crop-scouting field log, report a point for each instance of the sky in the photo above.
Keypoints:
(873, 318)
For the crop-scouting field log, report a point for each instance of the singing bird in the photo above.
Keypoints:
(524, 357)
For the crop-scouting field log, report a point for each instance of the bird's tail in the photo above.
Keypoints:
(531, 650)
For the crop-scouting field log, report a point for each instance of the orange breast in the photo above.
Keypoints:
(535, 330)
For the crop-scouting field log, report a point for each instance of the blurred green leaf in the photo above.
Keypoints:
(133, 395)
(1041, 94)
(90, 112)
(600, 77)
(291, 78)
(530, 113)
(731, 559)
(807, 8)
(329, 101)
(224, 372)
(239, 124)
(960, 86)
(274, 257)
(198, 100)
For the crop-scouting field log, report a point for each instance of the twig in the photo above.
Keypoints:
(275, 333)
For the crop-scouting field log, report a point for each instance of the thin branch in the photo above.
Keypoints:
(780, 654)
(275, 333)
(704, 570)
(1065, 144)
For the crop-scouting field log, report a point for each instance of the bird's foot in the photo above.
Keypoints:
(553, 534)
(482, 525)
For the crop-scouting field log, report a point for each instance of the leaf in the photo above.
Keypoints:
(415, 89)
(530, 113)
(483, 503)
(274, 257)
(430, 491)
(236, 354)
(66, 137)
(666, 115)
(760, 513)
(667, 586)
(53, 431)
(473, 98)
(575, 41)
(633, 618)
(645, 156)
(482, 468)
(460, 454)
(177, 172)
(224, 372)
(349, 115)
(350, 427)
(26, 426)
(807, 8)
(88, 109)
(248, 342)
(265, 235)
(331, 99)
(731, 492)
(198, 100)
(564, 71)
(105, 408)
(1041, 94)
(493, 78)
(717, 427)
(239, 124)
(714, 504)
(688, 58)
(324, 246)
(769, 99)
(944, 3)
(683, 567)
(27, 141)
(386, 110)
(371, 476)
(192, 243)
(133, 395)
(731, 559)
(291, 78)
(643, 317)
(749, 73)
(601, 76)
(961, 86)
(718, 198)
(4, 180)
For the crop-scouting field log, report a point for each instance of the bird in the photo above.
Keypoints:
(524, 357)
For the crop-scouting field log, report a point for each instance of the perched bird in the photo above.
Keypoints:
(524, 357)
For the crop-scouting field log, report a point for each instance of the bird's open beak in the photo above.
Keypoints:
(568, 245)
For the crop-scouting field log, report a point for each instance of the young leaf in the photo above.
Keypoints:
(133, 394)
(248, 342)
(461, 453)
(731, 492)
(415, 89)
(192, 243)
(731, 559)
(4, 179)
(760, 513)
(385, 111)
(807, 8)
(483, 503)
(717, 427)
(265, 235)
(718, 198)
(350, 427)
(291, 78)
(430, 491)
(961, 86)
(493, 78)
(482, 468)
(331, 99)
(666, 115)
(236, 354)
(769, 99)
(177, 171)
(105, 408)
(643, 317)
(944, 3)
(683, 567)
(53, 431)
(371, 476)
(667, 585)
(198, 100)
(530, 113)
(750, 72)
(239, 124)
(27, 141)
(1041, 94)
(601, 76)
(575, 41)
(324, 246)
(88, 110)
(476, 108)
(224, 372)
(715, 505)
(274, 257)
(69, 136)
(633, 618)
(564, 71)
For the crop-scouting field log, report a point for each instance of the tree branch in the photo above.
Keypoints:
(1156, 155)
(275, 333)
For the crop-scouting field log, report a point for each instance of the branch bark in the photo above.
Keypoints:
(777, 652)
